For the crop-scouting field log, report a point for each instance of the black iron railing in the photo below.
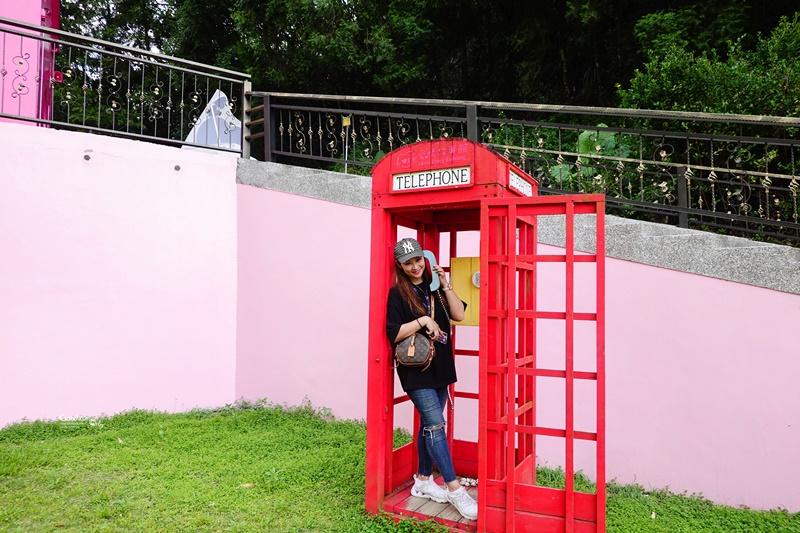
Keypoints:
(730, 173)
(63, 80)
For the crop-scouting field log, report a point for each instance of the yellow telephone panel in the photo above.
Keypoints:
(465, 278)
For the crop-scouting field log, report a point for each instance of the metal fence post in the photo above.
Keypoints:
(269, 122)
(683, 197)
(247, 90)
(472, 122)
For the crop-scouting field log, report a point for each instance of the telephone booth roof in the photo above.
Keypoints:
(446, 174)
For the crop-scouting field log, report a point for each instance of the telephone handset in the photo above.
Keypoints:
(432, 258)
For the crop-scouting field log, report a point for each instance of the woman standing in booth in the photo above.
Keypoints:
(409, 308)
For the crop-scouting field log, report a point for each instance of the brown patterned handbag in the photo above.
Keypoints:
(416, 350)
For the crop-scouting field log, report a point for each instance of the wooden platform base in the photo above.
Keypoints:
(402, 504)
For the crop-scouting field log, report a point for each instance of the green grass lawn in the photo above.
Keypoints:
(246, 468)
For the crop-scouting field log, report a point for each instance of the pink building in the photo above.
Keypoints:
(28, 63)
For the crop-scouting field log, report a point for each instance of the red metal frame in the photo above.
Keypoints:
(508, 369)
(504, 458)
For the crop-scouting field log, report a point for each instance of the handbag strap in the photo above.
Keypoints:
(449, 322)
(450, 334)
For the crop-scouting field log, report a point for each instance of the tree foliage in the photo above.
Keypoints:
(704, 27)
(552, 51)
(332, 46)
(146, 24)
(762, 81)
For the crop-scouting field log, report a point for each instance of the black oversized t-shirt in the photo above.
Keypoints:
(442, 371)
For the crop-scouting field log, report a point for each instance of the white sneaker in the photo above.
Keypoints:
(464, 503)
(428, 489)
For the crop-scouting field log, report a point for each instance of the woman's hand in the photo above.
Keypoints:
(438, 270)
(425, 322)
(431, 327)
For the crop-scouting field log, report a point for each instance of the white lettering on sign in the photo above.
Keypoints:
(432, 179)
(519, 184)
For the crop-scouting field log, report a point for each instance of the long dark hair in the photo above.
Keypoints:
(406, 288)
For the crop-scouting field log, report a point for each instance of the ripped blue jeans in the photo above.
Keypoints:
(432, 444)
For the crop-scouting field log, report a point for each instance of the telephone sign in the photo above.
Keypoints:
(519, 184)
(432, 179)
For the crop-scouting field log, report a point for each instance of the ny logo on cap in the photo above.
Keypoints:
(408, 246)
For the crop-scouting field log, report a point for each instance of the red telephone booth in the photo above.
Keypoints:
(527, 342)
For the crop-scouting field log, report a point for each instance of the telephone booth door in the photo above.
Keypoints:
(489, 200)
(527, 339)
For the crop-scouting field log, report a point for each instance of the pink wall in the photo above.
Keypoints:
(303, 289)
(117, 278)
(118, 289)
(702, 392)
(702, 386)
(24, 10)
